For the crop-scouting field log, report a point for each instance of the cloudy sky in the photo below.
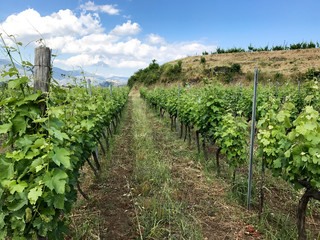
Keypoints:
(109, 37)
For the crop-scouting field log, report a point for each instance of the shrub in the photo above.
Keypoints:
(236, 67)
(278, 77)
(277, 48)
(249, 76)
(220, 50)
(149, 75)
(203, 60)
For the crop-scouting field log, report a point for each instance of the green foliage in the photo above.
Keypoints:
(303, 156)
(302, 45)
(231, 137)
(235, 68)
(312, 73)
(39, 173)
(227, 73)
(231, 50)
(174, 70)
(288, 128)
(253, 49)
(202, 60)
(148, 76)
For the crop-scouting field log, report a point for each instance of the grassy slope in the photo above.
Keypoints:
(291, 63)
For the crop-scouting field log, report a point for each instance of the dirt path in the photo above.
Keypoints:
(117, 207)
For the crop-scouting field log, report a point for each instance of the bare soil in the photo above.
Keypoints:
(110, 200)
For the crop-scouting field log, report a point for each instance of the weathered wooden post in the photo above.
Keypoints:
(42, 73)
(42, 69)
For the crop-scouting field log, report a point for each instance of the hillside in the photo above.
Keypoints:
(289, 65)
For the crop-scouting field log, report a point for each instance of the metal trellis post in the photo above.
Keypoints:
(254, 105)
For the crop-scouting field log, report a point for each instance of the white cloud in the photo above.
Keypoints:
(29, 25)
(126, 29)
(110, 9)
(155, 39)
(86, 43)
(82, 60)
(132, 64)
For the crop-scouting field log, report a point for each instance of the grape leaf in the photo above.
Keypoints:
(61, 155)
(59, 201)
(4, 128)
(6, 168)
(56, 180)
(34, 194)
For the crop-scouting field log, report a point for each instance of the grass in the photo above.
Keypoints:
(161, 214)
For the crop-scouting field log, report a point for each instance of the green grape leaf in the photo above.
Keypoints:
(62, 155)
(12, 84)
(20, 201)
(32, 97)
(19, 124)
(56, 180)
(59, 201)
(38, 143)
(58, 134)
(310, 126)
(25, 141)
(56, 111)
(277, 163)
(17, 187)
(4, 128)
(6, 168)
(313, 151)
(34, 194)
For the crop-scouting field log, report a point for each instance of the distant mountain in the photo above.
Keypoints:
(64, 77)
(4, 62)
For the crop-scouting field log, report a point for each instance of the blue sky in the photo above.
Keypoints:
(119, 37)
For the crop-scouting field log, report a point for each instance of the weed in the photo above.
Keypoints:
(276, 226)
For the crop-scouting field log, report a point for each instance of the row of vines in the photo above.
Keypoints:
(288, 129)
(47, 138)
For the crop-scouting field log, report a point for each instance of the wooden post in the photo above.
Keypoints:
(42, 69)
(42, 73)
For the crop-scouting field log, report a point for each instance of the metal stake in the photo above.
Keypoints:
(177, 124)
(254, 105)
